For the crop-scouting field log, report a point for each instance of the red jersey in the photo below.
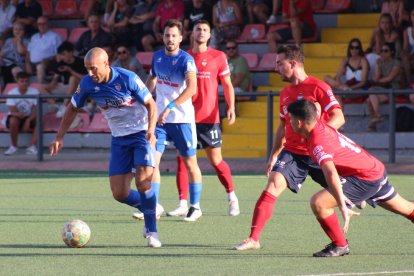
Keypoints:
(327, 144)
(305, 16)
(211, 65)
(311, 89)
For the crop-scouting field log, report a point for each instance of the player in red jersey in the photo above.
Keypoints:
(211, 65)
(289, 162)
(352, 175)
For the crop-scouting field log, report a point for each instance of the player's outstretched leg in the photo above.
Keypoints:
(182, 187)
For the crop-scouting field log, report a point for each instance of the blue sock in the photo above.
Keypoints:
(156, 188)
(133, 199)
(149, 208)
(195, 193)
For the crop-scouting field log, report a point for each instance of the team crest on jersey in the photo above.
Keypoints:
(204, 62)
(284, 109)
(77, 91)
(118, 86)
(300, 96)
(96, 88)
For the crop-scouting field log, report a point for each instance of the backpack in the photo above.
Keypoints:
(404, 119)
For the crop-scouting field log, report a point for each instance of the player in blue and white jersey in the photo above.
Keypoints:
(173, 77)
(131, 113)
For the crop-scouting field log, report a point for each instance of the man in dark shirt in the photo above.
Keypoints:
(28, 12)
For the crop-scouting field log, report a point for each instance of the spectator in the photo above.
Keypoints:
(22, 114)
(258, 10)
(67, 70)
(396, 9)
(13, 54)
(96, 7)
(386, 75)
(43, 47)
(112, 56)
(166, 10)
(7, 11)
(352, 73)
(275, 9)
(239, 68)
(142, 21)
(407, 55)
(28, 12)
(94, 37)
(372, 60)
(118, 22)
(298, 16)
(127, 61)
(195, 11)
(385, 33)
(227, 19)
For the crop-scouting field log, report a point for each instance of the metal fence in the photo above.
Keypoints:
(392, 93)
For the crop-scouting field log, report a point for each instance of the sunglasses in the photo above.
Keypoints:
(385, 50)
(122, 52)
(231, 48)
(354, 47)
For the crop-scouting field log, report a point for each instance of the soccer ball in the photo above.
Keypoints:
(76, 233)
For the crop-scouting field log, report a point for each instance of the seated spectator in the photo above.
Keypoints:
(118, 22)
(94, 37)
(396, 9)
(28, 12)
(385, 33)
(195, 11)
(387, 75)
(67, 70)
(239, 68)
(13, 54)
(276, 5)
(7, 11)
(127, 61)
(257, 11)
(298, 16)
(142, 21)
(43, 47)
(22, 114)
(372, 60)
(352, 73)
(227, 20)
(407, 55)
(166, 10)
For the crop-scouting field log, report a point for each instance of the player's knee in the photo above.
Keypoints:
(315, 204)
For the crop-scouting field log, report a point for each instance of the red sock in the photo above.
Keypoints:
(262, 213)
(332, 228)
(411, 216)
(182, 179)
(224, 174)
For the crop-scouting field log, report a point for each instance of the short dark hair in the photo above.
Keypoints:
(304, 110)
(65, 46)
(22, 75)
(202, 21)
(292, 52)
(174, 23)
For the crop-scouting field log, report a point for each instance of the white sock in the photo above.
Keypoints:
(231, 196)
(197, 205)
(183, 203)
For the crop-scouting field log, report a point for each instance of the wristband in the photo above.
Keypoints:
(171, 105)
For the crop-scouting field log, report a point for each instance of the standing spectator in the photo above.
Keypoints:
(227, 20)
(28, 12)
(166, 10)
(387, 75)
(22, 114)
(352, 73)
(173, 76)
(396, 9)
(239, 68)
(94, 37)
(407, 56)
(195, 11)
(118, 22)
(7, 11)
(127, 61)
(385, 33)
(43, 47)
(298, 16)
(13, 54)
(276, 5)
(142, 21)
(289, 163)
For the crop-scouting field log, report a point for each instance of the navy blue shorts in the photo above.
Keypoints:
(208, 135)
(295, 168)
(182, 134)
(357, 190)
(286, 33)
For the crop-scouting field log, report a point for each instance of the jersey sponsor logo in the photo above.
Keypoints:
(163, 77)
(118, 102)
(118, 86)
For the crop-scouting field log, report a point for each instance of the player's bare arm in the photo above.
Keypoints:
(230, 99)
(277, 147)
(336, 118)
(67, 120)
(151, 83)
(152, 120)
(335, 188)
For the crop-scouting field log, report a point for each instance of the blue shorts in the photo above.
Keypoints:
(208, 135)
(357, 190)
(182, 134)
(286, 33)
(295, 168)
(130, 151)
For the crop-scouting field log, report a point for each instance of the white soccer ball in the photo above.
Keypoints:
(76, 233)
